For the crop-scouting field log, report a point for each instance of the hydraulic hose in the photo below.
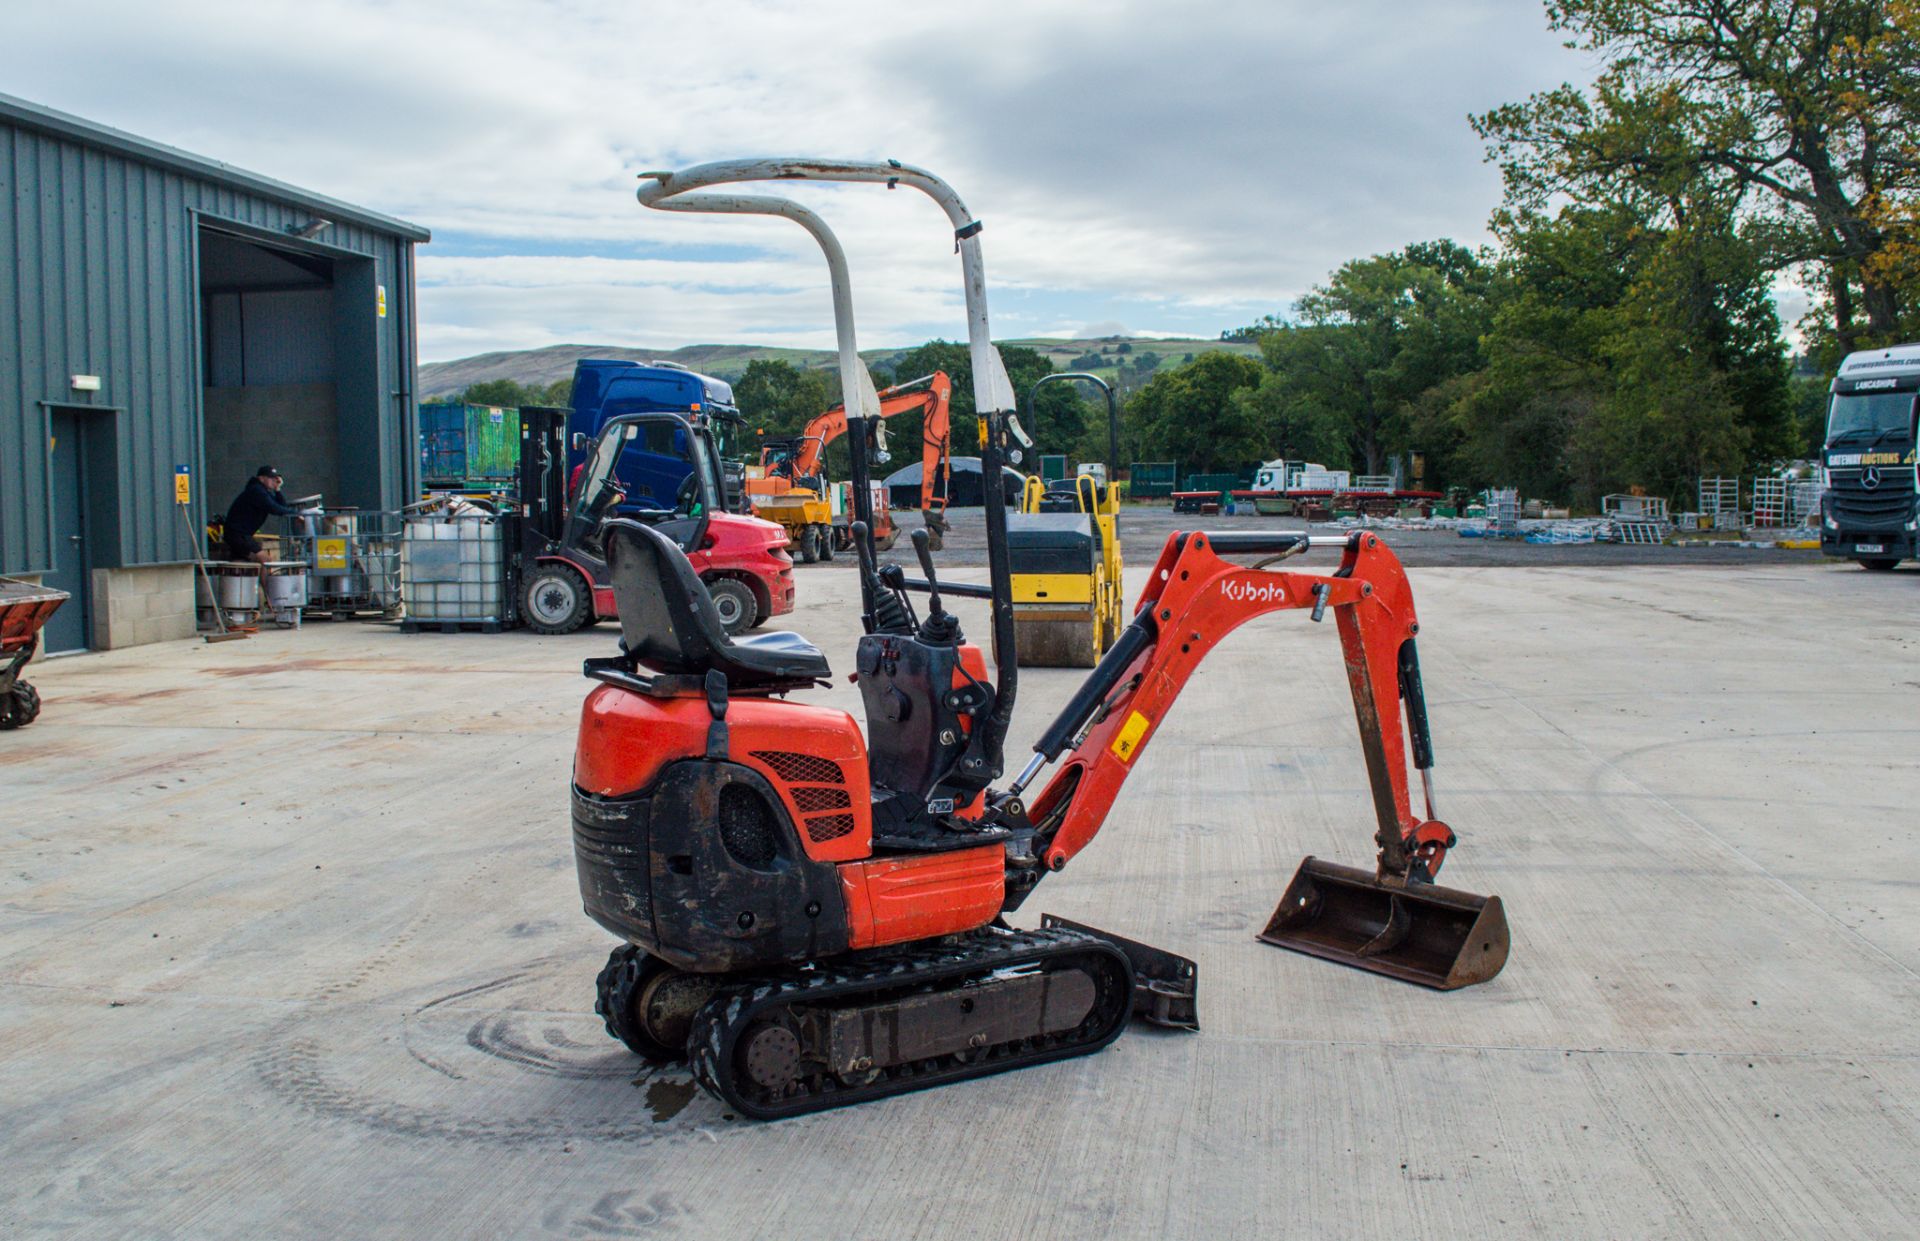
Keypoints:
(1006, 652)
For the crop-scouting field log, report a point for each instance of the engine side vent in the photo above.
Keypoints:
(825, 827)
(810, 799)
(747, 826)
(802, 767)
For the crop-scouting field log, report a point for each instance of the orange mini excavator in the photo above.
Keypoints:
(812, 918)
(795, 465)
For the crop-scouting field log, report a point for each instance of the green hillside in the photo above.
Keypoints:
(1127, 361)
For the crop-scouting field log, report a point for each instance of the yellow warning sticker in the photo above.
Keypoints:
(1128, 738)
(330, 555)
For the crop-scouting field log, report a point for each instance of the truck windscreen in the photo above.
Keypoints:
(1879, 414)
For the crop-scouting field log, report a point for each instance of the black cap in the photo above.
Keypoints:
(266, 471)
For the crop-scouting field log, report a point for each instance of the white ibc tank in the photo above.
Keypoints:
(453, 570)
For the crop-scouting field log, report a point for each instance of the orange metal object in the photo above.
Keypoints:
(1197, 599)
(935, 447)
(896, 900)
(627, 738)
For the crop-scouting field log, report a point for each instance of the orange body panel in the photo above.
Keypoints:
(894, 900)
(814, 758)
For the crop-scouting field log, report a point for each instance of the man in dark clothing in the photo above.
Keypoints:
(259, 500)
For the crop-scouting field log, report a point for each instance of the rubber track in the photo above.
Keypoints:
(718, 1026)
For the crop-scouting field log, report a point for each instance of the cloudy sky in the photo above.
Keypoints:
(1147, 168)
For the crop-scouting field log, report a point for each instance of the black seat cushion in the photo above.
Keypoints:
(668, 622)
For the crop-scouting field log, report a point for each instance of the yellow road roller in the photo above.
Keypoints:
(1064, 548)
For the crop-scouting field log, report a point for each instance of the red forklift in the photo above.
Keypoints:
(660, 469)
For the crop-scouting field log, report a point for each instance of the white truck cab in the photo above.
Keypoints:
(1869, 513)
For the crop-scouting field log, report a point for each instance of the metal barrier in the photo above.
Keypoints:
(1720, 502)
(353, 560)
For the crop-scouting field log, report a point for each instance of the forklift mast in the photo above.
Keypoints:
(543, 471)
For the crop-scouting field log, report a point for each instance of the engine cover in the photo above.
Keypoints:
(705, 870)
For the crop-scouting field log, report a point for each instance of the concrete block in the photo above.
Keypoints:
(175, 625)
(139, 604)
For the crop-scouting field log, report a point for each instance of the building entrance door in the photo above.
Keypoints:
(67, 629)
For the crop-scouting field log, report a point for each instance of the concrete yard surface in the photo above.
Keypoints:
(291, 945)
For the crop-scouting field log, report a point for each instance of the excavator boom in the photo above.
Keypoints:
(931, 394)
(1394, 922)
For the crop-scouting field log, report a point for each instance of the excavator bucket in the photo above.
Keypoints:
(1416, 932)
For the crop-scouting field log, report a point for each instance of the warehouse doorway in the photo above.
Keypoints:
(82, 470)
(289, 367)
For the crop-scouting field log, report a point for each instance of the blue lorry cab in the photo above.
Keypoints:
(654, 468)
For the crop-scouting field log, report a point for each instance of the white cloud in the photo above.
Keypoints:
(1190, 162)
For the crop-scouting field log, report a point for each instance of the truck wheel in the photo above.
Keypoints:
(809, 552)
(1879, 565)
(823, 535)
(733, 603)
(557, 600)
(19, 706)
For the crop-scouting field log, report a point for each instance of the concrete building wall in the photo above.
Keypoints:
(270, 338)
(289, 426)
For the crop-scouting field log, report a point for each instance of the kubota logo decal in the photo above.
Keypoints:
(1240, 590)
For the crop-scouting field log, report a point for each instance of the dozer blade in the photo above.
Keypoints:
(1419, 932)
(1164, 985)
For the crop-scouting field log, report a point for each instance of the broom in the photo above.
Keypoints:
(213, 596)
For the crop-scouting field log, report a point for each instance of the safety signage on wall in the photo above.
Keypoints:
(182, 485)
(380, 299)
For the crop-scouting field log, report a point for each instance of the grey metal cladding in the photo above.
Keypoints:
(98, 275)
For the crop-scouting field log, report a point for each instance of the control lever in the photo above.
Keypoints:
(941, 628)
(922, 548)
(889, 608)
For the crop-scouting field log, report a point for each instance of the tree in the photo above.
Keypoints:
(1622, 354)
(1254, 331)
(1381, 333)
(777, 398)
(512, 394)
(1189, 415)
(1798, 117)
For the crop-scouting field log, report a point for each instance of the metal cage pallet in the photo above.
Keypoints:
(354, 561)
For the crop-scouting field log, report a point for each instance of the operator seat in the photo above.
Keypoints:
(668, 623)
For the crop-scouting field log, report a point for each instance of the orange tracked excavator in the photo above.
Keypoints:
(812, 917)
(792, 487)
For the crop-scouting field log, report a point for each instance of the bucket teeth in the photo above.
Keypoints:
(1416, 932)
